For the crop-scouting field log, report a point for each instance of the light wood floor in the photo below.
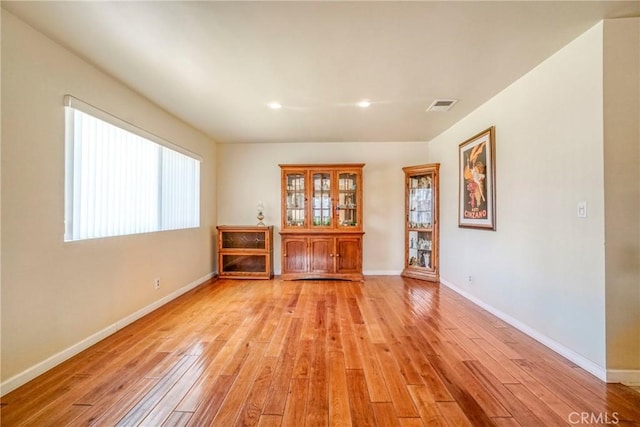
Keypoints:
(387, 352)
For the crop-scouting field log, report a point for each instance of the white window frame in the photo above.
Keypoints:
(75, 104)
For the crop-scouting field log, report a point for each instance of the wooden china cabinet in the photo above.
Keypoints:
(322, 221)
(421, 246)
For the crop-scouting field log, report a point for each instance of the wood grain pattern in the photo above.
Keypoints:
(391, 351)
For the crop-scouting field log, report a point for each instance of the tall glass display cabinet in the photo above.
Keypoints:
(421, 222)
(322, 221)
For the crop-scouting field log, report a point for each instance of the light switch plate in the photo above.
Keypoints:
(582, 209)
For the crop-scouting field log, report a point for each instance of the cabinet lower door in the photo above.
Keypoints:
(321, 254)
(348, 255)
(294, 255)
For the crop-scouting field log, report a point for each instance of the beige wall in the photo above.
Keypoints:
(543, 267)
(56, 294)
(622, 191)
(249, 172)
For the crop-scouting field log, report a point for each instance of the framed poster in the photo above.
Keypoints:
(477, 177)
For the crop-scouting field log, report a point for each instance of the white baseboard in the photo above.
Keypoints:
(42, 367)
(162, 301)
(576, 358)
(366, 273)
(382, 273)
(624, 376)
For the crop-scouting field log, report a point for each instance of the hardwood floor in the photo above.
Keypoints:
(389, 352)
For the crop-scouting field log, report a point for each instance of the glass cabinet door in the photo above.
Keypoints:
(321, 204)
(242, 263)
(243, 240)
(347, 200)
(420, 220)
(295, 202)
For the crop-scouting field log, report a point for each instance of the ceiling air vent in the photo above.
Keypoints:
(442, 104)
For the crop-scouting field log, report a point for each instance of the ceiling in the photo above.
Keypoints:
(216, 65)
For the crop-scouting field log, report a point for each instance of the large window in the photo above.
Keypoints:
(122, 180)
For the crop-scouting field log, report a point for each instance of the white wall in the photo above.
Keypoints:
(56, 294)
(248, 173)
(543, 267)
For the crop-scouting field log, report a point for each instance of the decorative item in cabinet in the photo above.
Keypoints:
(322, 221)
(421, 222)
(245, 252)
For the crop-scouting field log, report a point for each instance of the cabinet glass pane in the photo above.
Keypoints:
(347, 208)
(244, 263)
(295, 203)
(243, 240)
(420, 201)
(321, 199)
(420, 249)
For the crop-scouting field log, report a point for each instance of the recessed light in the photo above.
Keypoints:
(364, 103)
(274, 105)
